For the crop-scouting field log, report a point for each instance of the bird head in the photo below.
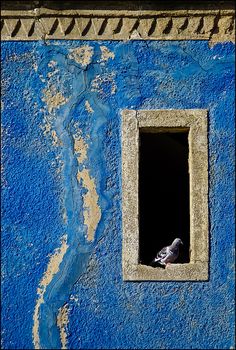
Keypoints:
(177, 241)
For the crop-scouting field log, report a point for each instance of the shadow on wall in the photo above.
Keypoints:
(116, 5)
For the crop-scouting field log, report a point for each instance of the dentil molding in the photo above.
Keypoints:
(40, 23)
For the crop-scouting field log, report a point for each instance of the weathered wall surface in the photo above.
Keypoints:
(61, 200)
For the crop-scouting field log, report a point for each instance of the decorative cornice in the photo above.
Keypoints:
(42, 23)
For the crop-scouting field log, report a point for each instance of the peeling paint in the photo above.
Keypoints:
(52, 64)
(60, 123)
(106, 54)
(82, 55)
(51, 74)
(80, 146)
(56, 141)
(58, 164)
(52, 269)
(92, 211)
(54, 99)
(100, 83)
(62, 322)
(88, 107)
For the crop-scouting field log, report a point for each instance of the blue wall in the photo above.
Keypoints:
(54, 92)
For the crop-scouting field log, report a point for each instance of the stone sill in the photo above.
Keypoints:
(197, 271)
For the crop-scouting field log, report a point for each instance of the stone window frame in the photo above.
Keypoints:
(196, 121)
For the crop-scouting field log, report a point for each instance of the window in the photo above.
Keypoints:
(164, 212)
(165, 192)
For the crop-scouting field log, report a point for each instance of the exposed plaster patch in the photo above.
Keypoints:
(52, 270)
(26, 57)
(88, 107)
(55, 140)
(82, 55)
(106, 54)
(92, 211)
(52, 64)
(58, 164)
(47, 130)
(62, 322)
(51, 74)
(99, 83)
(46, 127)
(80, 146)
(53, 98)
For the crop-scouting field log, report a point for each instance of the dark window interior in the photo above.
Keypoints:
(163, 193)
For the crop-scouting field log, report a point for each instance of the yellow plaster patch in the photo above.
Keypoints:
(53, 99)
(106, 54)
(27, 56)
(47, 130)
(60, 164)
(52, 269)
(55, 140)
(46, 127)
(80, 147)
(88, 107)
(92, 211)
(51, 74)
(82, 55)
(62, 322)
(99, 80)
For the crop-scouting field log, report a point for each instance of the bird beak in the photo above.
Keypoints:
(181, 242)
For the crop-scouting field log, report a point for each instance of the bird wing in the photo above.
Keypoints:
(171, 256)
(162, 254)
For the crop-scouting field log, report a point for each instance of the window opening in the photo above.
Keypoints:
(164, 212)
(165, 193)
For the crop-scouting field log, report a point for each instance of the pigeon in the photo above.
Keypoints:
(169, 254)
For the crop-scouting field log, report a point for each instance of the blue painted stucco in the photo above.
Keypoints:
(104, 311)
